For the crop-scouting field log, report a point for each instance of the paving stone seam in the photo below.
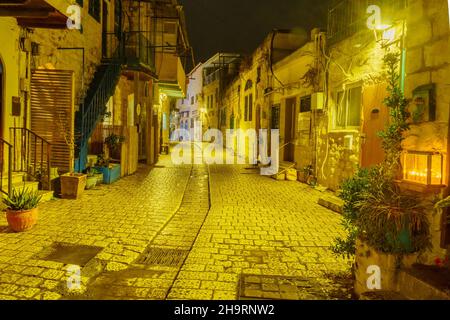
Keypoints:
(196, 236)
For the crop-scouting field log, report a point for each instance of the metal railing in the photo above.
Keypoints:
(139, 50)
(31, 154)
(5, 170)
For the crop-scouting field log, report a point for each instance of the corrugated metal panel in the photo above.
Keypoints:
(52, 113)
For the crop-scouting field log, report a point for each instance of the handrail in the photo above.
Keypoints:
(4, 143)
(31, 154)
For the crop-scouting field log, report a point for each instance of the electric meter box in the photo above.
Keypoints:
(317, 101)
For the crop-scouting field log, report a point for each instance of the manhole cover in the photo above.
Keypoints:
(280, 287)
(163, 257)
(69, 253)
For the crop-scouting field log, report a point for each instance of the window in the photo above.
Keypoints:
(170, 27)
(223, 117)
(275, 117)
(348, 108)
(258, 75)
(305, 104)
(248, 112)
(192, 100)
(94, 9)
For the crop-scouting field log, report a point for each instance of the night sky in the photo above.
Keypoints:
(241, 25)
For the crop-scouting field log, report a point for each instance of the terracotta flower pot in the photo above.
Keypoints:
(21, 220)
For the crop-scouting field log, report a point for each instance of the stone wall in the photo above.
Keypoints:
(428, 62)
(427, 42)
(60, 49)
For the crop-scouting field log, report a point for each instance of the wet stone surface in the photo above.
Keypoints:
(225, 223)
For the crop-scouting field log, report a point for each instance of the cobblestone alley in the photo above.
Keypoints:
(178, 232)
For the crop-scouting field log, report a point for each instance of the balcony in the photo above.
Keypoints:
(171, 74)
(348, 17)
(133, 48)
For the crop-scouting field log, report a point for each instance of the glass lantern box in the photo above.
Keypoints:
(426, 168)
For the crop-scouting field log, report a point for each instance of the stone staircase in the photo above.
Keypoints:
(332, 202)
(19, 182)
(286, 171)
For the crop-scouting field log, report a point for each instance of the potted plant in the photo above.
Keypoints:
(98, 175)
(91, 179)
(113, 142)
(110, 171)
(72, 184)
(22, 209)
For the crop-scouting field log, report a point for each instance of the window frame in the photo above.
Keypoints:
(346, 91)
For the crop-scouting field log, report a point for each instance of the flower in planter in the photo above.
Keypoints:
(442, 262)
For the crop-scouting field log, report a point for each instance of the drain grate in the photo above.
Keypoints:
(163, 257)
(69, 253)
(280, 287)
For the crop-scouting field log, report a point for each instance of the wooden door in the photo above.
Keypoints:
(257, 127)
(376, 117)
(289, 129)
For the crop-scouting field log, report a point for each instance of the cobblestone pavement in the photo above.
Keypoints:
(156, 239)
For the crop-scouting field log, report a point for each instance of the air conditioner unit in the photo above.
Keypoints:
(317, 101)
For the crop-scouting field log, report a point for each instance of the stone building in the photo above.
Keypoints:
(74, 72)
(191, 108)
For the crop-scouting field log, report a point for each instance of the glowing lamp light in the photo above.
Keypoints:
(389, 35)
(424, 168)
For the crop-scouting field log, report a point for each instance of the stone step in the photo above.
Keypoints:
(382, 295)
(425, 283)
(332, 202)
(30, 185)
(16, 177)
(46, 195)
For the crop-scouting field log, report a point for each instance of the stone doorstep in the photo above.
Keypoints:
(416, 288)
(47, 195)
(383, 295)
(332, 202)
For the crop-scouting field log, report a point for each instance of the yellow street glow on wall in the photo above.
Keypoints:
(448, 6)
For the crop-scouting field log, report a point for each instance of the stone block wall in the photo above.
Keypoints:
(53, 56)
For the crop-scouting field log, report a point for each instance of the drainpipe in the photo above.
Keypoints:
(403, 60)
